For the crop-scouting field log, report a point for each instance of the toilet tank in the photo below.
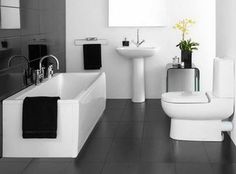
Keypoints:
(223, 80)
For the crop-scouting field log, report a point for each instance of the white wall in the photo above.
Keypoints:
(90, 18)
(226, 28)
(226, 36)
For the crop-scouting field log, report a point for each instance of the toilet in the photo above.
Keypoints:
(201, 116)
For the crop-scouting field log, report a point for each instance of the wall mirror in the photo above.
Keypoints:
(137, 13)
(9, 14)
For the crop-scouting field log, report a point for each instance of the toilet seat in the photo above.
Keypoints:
(186, 97)
(196, 106)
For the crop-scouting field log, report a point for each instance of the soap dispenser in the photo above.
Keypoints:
(125, 43)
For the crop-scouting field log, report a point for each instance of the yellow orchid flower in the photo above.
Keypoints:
(183, 26)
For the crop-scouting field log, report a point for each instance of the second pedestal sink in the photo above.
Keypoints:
(138, 54)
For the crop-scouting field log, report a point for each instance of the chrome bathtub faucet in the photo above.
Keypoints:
(50, 71)
(137, 43)
(40, 73)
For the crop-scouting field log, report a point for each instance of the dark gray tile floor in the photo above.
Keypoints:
(134, 139)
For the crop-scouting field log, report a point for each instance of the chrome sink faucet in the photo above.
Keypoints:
(39, 74)
(138, 43)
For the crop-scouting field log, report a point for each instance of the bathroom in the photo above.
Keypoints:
(129, 137)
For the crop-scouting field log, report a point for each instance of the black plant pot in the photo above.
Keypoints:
(186, 57)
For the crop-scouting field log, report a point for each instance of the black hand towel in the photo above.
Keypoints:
(40, 117)
(37, 51)
(92, 56)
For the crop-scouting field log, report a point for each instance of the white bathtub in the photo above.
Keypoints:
(83, 100)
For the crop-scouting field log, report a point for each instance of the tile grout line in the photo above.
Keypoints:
(27, 166)
(142, 139)
(113, 140)
(175, 168)
(208, 157)
(205, 149)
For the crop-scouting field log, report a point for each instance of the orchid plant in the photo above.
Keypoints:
(183, 26)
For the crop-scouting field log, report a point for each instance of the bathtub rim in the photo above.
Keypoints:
(13, 98)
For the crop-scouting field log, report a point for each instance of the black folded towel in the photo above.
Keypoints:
(40, 117)
(92, 56)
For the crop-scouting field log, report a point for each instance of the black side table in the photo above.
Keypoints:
(170, 67)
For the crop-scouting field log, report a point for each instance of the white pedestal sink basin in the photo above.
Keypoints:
(138, 54)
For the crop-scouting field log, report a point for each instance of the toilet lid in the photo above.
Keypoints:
(185, 97)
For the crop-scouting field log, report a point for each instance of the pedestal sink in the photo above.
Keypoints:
(137, 55)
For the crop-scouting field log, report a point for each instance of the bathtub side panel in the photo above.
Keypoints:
(91, 107)
(65, 145)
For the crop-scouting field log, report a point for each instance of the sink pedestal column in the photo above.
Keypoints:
(138, 85)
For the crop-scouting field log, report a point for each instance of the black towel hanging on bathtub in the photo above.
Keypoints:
(40, 117)
(92, 56)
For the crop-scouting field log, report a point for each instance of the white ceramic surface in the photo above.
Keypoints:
(196, 119)
(137, 52)
(83, 100)
(137, 55)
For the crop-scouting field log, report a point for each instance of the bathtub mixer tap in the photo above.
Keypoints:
(40, 73)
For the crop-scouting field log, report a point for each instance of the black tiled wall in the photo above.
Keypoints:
(40, 19)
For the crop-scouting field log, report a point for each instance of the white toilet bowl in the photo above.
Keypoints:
(198, 116)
